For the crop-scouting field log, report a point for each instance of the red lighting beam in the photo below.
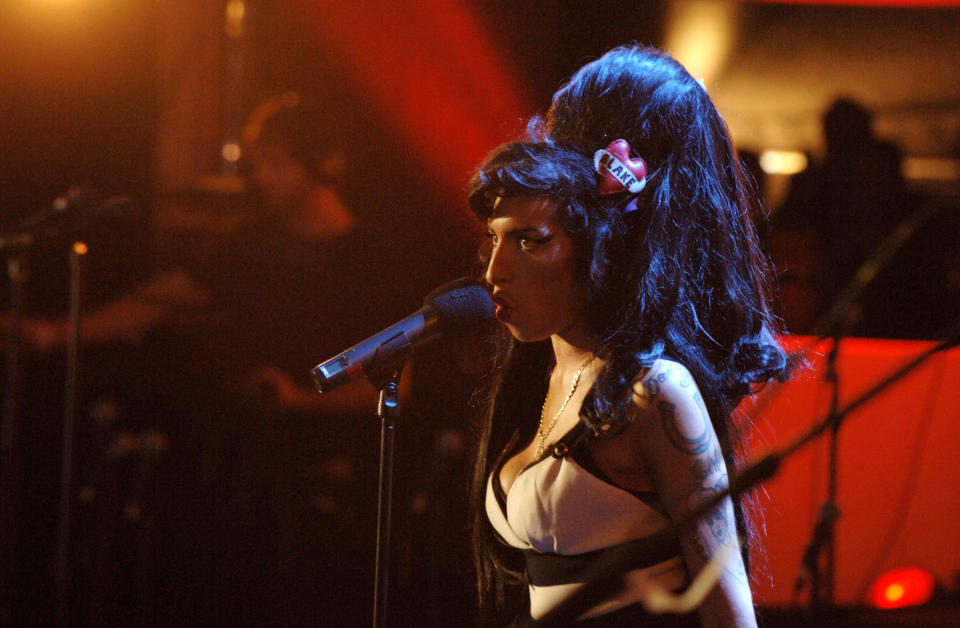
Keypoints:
(432, 69)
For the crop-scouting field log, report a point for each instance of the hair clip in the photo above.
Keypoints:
(619, 172)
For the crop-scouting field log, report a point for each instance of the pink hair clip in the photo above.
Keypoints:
(618, 172)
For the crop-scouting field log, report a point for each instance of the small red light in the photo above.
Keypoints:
(904, 586)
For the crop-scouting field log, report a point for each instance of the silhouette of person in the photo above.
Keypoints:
(835, 216)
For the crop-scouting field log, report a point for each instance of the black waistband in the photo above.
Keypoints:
(545, 569)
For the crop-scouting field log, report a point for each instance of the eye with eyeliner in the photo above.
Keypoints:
(529, 243)
(526, 240)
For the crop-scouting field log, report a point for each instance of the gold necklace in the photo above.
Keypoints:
(541, 434)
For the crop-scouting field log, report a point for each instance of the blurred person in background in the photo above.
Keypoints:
(835, 217)
(266, 501)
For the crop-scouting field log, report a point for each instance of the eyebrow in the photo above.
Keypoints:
(521, 231)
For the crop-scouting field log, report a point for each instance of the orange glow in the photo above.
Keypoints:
(80, 248)
(894, 592)
(904, 586)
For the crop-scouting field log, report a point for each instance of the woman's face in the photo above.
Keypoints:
(531, 270)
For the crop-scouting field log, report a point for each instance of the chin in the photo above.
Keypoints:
(522, 335)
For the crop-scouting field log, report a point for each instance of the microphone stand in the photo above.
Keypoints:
(822, 540)
(77, 251)
(830, 512)
(9, 431)
(834, 324)
(454, 304)
(51, 221)
(388, 409)
(607, 576)
(384, 374)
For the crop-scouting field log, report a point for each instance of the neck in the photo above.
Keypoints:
(570, 350)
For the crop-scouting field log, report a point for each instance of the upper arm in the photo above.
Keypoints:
(682, 454)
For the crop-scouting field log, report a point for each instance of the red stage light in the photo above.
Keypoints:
(903, 586)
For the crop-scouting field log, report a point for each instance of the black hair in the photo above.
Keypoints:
(681, 277)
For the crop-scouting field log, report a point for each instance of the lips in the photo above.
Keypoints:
(503, 310)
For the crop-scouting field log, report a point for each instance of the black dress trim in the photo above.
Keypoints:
(547, 569)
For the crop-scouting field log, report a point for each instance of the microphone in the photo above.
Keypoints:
(452, 305)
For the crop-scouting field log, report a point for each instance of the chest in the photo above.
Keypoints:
(617, 459)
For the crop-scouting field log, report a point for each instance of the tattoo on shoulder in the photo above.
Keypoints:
(652, 383)
(689, 445)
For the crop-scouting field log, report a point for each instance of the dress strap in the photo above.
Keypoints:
(577, 436)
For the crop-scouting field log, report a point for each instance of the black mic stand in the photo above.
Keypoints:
(388, 409)
(454, 304)
(608, 575)
(77, 251)
(64, 214)
(384, 374)
(9, 432)
(822, 540)
(834, 324)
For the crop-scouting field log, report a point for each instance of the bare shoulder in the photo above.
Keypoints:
(667, 397)
(664, 378)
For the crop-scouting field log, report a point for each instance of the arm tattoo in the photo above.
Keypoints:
(716, 529)
(652, 382)
(692, 446)
(717, 522)
(708, 465)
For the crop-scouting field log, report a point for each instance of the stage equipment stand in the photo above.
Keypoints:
(388, 409)
(455, 304)
(9, 433)
(384, 374)
(836, 324)
(823, 537)
(77, 251)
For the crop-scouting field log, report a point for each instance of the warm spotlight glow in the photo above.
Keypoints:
(231, 152)
(235, 12)
(904, 586)
(931, 168)
(80, 248)
(700, 35)
(784, 162)
(894, 592)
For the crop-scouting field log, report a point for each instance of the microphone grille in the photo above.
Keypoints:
(460, 301)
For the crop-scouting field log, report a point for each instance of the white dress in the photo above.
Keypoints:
(562, 516)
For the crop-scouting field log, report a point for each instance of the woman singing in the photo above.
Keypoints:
(631, 290)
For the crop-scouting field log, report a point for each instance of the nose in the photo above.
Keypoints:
(499, 267)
